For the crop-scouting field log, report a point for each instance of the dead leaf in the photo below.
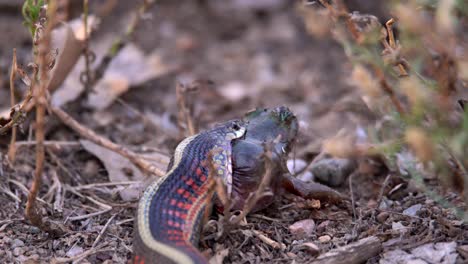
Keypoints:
(131, 67)
(68, 39)
(66, 74)
(121, 169)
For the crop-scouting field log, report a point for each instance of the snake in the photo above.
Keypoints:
(169, 215)
(171, 209)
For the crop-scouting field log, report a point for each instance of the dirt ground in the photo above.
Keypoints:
(256, 55)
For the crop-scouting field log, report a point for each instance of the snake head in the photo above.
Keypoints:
(278, 126)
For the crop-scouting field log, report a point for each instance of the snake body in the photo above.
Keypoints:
(171, 209)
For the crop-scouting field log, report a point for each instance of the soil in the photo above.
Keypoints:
(265, 55)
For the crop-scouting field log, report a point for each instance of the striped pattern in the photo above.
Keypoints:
(171, 209)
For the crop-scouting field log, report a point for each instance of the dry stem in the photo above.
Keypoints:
(41, 101)
(12, 147)
(17, 116)
(184, 113)
(104, 142)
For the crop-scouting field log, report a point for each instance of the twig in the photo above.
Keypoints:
(104, 142)
(43, 49)
(50, 143)
(12, 147)
(356, 252)
(86, 51)
(104, 184)
(103, 230)
(269, 241)
(392, 44)
(85, 254)
(388, 89)
(184, 113)
(106, 207)
(353, 205)
(18, 114)
(382, 189)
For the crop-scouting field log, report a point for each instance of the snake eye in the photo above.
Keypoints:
(236, 127)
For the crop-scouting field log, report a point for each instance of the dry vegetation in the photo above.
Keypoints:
(381, 100)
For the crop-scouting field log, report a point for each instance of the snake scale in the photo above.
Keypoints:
(171, 210)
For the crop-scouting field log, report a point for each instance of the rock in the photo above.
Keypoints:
(324, 239)
(303, 228)
(332, 171)
(295, 165)
(6, 240)
(74, 251)
(18, 251)
(311, 248)
(17, 243)
(382, 217)
(306, 176)
(322, 226)
(399, 227)
(412, 210)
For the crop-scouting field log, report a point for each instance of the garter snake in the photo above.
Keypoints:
(170, 212)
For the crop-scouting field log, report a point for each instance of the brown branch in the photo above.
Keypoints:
(356, 252)
(12, 147)
(393, 45)
(17, 112)
(184, 113)
(104, 142)
(31, 212)
(388, 90)
(86, 51)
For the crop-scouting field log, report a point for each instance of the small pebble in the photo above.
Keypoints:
(17, 243)
(322, 226)
(312, 248)
(413, 210)
(295, 166)
(6, 240)
(382, 217)
(324, 239)
(302, 228)
(18, 251)
(332, 171)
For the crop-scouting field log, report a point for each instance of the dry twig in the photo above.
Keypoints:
(184, 113)
(41, 102)
(12, 147)
(104, 142)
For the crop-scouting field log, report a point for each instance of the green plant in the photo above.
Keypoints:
(31, 12)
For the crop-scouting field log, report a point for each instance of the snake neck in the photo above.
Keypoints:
(171, 210)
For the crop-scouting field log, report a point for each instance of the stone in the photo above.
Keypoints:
(17, 243)
(332, 171)
(412, 210)
(303, 228)
(382, 217)
(324, 239)
(18, 251)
